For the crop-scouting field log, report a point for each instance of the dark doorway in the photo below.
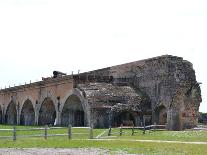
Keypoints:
(47, 113)
(161, 115)
(124, 118)
(72, 112)
(27, 114)
(11, 114)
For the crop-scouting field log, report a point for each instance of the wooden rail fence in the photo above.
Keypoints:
(14, 132)
(133, 129)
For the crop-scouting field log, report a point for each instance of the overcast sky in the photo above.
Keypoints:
(39, 36)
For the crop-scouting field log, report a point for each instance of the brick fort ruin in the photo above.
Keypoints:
(161, 89)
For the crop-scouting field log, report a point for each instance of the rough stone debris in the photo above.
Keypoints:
(161, 89)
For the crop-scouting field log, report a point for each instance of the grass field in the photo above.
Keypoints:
(119, 143)
(186, 136)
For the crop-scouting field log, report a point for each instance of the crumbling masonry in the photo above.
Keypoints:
(161, 89)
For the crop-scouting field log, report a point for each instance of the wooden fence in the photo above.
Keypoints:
(14, 132)
(133, 129)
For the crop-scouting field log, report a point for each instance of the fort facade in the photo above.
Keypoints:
(161, 89)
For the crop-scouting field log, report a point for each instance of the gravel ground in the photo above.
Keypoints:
(52, 151)
(57, 151)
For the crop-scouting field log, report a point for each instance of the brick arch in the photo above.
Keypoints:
(51, 96)
(73, 112)
(11, 113)
(24, 100)
(76, 93)
(27, 113)
(47, 112)
(7, 104)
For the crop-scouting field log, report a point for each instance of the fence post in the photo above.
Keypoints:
(154, 126)
(91, 132)
(133, 130)
(109, 133)
(45, 135)
(69, 131)
(144, 125)
(121, 129)
(14, 133)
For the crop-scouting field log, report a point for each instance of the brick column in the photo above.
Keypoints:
(37, 107)
(18, 113)
(58, 118)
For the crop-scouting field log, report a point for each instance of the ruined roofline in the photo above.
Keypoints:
(51, 79)
(166, 56)
(41, 83)
(136, 62)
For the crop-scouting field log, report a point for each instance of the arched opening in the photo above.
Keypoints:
(27, 114)
(0, 115)
(47, 113)
(11, 114)
(125, 118)
(161, 115)
(72, 112)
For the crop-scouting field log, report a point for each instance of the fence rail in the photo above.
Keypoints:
(14, 132)
(133, 129)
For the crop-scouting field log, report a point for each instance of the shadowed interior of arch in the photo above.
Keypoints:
(161, 115)
(72, 112)
(125, 118)
(27, 114)
(11, 114)
(47, 113)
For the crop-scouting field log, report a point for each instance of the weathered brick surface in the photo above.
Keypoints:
(164, 87)
(166, 81)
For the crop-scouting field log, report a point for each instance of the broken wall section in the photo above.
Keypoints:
(165, 81)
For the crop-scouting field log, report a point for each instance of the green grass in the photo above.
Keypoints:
(119, 144)
(112, 146)
(187, 135)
